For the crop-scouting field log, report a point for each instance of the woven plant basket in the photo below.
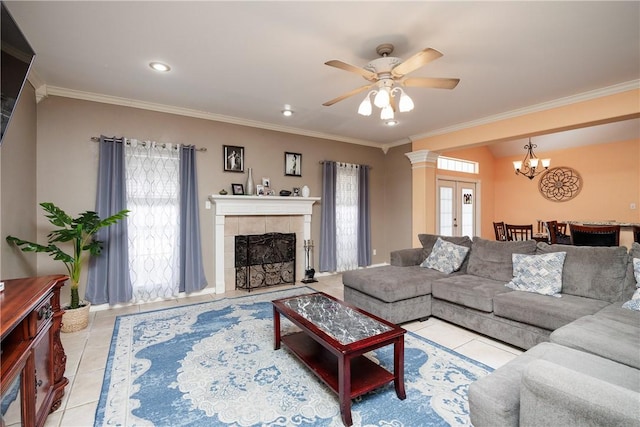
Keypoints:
(76, 319)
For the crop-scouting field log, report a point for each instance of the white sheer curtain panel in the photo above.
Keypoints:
(152, 176)
(346, 217)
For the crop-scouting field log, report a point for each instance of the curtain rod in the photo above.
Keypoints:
(343, 163)
(97, 139)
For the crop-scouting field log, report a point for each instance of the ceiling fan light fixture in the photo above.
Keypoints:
(365, 107)
(382, 98)
(387, 113)
(391, 122)
(406, 103)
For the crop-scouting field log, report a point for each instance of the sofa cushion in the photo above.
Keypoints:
(541, 274)
(603, 337)
(597, 272)
(544, 311)
(631, 282)
(428, 240)
(634, 302)
(494, 400)
(492, 259)
(468, 290)
(390, 283)
(445, 257)
(619, 314)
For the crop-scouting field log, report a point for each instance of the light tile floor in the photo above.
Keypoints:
(87, 350)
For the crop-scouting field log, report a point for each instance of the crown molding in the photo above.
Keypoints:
(43, 90)
(561, 102)
(127, 102)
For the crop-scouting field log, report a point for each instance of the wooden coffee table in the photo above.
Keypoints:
(334, 337)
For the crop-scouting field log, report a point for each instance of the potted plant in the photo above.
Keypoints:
(80, 231)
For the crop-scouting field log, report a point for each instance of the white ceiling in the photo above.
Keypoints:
(243, 61)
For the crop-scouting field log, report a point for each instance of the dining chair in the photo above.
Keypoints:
(557, 233)
(519, 232)
(636, 233)
(595, 235)
(562, 228)
(552, 231)
(501, 233)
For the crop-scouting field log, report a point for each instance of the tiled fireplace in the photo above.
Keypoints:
(245, 215)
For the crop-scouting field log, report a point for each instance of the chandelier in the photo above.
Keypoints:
(529, 165)
(382, 99)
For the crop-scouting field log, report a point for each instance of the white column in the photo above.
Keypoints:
(307, 227)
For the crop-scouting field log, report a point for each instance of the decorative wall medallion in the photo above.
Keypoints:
(560, 184)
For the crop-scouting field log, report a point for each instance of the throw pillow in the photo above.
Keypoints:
(634, 302)
(541, 274)
(445, 257)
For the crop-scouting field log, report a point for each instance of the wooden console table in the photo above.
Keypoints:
(32, 378)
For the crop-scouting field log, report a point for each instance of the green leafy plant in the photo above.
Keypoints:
(80, 231)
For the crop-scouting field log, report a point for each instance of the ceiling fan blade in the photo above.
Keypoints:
(416, 61)
(352, 68)
(432, 82)
(346, 95)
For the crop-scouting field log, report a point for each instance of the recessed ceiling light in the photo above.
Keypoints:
(159, 66)
(391, 122)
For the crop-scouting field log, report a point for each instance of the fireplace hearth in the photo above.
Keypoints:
(263, 260)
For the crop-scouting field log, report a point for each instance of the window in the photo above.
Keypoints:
(153, 189)
(457, 165)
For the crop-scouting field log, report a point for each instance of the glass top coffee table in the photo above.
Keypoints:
(334, 338)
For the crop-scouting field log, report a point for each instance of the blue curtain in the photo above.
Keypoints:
(108, 279)
(328, 259)
(364, 218)
(191, 269)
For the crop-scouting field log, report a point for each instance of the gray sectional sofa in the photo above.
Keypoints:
(582, 364)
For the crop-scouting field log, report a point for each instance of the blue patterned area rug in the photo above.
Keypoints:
(213, 364)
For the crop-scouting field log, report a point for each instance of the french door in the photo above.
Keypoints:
(457, 207)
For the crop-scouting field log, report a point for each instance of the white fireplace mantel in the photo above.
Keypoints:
(253, 205)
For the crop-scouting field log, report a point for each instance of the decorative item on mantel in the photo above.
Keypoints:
(309, 271)
(305, 191)
(249, 188)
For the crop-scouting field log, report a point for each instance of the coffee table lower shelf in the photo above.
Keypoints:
(365, 374)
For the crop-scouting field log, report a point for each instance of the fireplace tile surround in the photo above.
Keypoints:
(240, 215)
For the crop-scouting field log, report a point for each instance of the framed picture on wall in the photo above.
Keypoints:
(293, 164)
(233, 158)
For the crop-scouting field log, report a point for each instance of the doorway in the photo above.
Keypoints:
(457, 207)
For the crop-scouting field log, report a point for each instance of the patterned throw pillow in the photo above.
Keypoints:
(541, 274)
(445, 257)
(634, 302)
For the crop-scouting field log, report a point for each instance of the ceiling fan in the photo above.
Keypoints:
(386, 74)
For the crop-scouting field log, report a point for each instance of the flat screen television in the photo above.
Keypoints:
(17, 57)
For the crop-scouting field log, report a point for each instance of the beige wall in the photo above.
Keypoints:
(18, 205)
(397, 190)
(65, 127)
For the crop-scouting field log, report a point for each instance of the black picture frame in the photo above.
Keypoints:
(292, 164)
(237, 189)
(233, 158)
